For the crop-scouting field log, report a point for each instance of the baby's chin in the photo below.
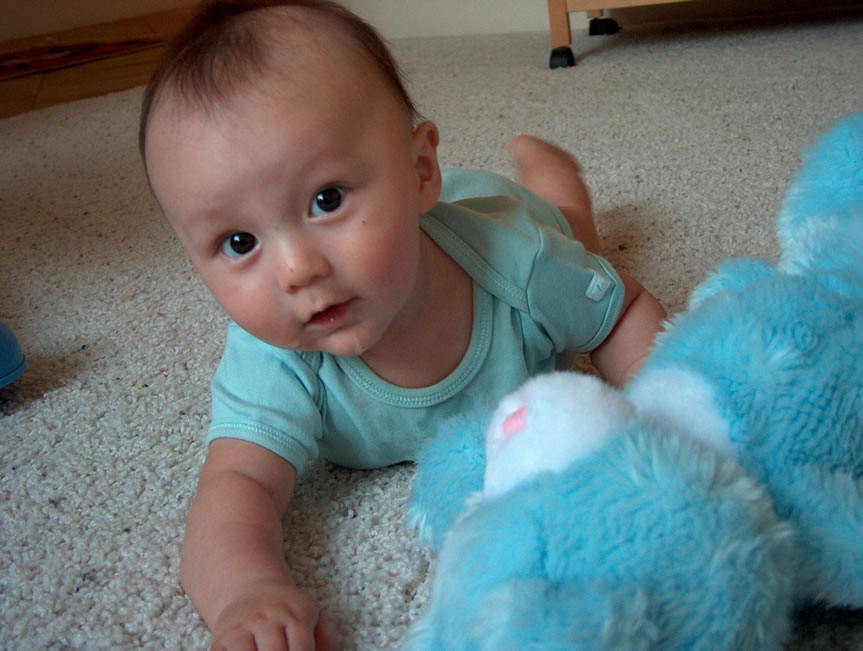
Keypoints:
(349, 342)
(342, 344)
(350, 345)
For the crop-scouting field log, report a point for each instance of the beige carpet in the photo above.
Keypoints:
(689, 136)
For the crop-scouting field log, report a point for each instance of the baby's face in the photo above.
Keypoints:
(301, 212)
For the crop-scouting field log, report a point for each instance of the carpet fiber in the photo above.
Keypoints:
(688, 134)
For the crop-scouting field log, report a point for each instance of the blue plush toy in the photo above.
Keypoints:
(696, 510)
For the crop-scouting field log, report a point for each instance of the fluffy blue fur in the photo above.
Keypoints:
(782, 350)
(449, 469)
(828, 188)
(656, 540)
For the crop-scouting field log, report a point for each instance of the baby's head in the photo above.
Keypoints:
(285, 152)
(232, 46)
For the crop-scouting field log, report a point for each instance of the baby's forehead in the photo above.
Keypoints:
(305, 36)
(281, 94)
(282, 57)
(292, 53)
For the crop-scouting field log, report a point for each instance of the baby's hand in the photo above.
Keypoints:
(272, 616)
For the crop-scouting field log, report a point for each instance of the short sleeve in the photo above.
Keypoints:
(267, 396)
(574, 295)
(520, 248)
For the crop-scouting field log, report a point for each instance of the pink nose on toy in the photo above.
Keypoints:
(514, 423)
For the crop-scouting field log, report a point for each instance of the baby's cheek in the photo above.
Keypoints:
(263, 319)
(399, 266)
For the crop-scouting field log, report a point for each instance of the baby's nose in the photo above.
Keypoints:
(300, 266)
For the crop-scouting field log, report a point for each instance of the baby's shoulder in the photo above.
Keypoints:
(464, 183)
(498, 203)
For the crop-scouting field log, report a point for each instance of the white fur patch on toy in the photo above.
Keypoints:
(532, 429)
(684, 401)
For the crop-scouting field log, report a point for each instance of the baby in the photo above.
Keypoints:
(370, 294)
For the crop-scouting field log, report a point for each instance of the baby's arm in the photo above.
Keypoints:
(620, 356)
(555, 176)
(233, 566)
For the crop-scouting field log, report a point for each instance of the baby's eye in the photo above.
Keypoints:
(239, 244)
(326, 201)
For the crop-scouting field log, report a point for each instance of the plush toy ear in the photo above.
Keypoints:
(823, 209)
(730, 276)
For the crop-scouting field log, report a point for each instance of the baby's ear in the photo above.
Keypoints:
(426, 139)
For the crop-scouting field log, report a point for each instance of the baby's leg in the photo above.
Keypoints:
(555, 176)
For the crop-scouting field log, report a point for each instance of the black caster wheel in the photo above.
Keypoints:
(603, 26)
(561, 57)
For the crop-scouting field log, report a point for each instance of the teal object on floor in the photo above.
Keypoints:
(12, 361)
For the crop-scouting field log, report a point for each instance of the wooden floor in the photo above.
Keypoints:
(90, 79)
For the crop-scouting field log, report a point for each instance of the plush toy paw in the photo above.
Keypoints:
(449, 470)
(827, 511)
(537, 614)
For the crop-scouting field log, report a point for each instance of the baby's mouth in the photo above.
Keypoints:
(330, 316)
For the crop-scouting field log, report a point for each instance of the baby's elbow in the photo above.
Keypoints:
(622, 354)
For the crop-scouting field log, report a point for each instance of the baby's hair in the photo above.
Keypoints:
(224, 46)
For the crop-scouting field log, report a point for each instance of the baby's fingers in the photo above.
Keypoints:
(324, 638)
(239, 642)
(266, 636)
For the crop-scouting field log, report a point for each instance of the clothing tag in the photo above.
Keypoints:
(598, 286)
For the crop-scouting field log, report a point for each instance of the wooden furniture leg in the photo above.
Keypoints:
(561, 35)
(561, 30)
(558, 19)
